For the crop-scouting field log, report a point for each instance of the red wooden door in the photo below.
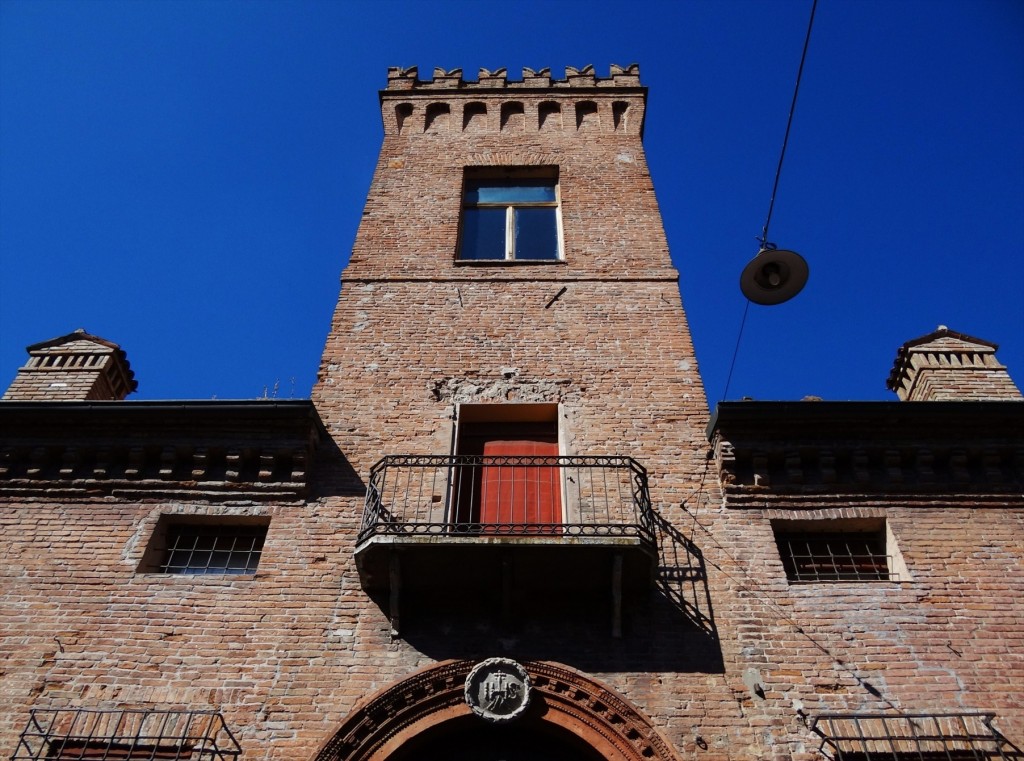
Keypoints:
(512, 493)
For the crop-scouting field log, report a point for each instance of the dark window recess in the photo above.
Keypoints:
(212, 549)
(834, 556)
(511, 218)
(75, 750)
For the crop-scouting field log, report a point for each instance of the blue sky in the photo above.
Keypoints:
(186, 178)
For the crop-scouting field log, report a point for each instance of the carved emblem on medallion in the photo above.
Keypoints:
(498, 689)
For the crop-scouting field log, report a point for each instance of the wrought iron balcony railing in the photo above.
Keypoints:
(911, 736)
(463, 496)
(79, 733)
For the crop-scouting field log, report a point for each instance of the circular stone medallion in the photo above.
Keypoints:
(498, 689)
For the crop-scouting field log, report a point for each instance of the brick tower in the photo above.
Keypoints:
(510, 338)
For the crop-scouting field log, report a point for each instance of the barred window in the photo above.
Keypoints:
(205, 545)
(835, 551)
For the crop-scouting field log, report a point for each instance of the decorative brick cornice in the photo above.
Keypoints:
(408, 79)
(250, 449)
(451, 105)
(934, 448)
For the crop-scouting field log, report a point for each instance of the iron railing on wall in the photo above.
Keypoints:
(508, 495)
(76, 734)
(909, 737)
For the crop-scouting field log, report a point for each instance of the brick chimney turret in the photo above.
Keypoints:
(76, 367)
(950, 366)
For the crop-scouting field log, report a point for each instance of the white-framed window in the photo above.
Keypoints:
(511, 215)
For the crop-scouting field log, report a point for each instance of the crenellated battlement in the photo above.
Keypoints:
(449, 104)
(408, 78)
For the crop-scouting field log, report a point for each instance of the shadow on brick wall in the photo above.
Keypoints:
(670, 628)
(682, 576)
(333, 475)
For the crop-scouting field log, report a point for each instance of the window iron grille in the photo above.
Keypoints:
(212, 549)
(510, 495)
(910, 737)
(80, 734)
(840, 556)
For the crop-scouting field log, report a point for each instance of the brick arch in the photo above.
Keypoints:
(433, 696)
(511, 158)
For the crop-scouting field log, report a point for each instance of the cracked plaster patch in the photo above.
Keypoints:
(507, 388)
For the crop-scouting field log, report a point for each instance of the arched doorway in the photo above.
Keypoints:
(425, 717)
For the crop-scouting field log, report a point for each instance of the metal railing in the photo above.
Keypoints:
(80, 733)
(909, 737)
(508, 495)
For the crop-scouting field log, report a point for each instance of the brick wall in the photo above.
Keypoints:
(289, 653)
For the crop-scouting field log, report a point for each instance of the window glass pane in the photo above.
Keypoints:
(177, 561)
(248, 563)
(536, 234)
(518, 191)
(198, 560)
(483, 234)
(220, 559)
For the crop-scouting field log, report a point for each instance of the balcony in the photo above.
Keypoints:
(506, 528)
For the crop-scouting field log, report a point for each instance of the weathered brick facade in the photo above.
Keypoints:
(673, 635)
(946, 365)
